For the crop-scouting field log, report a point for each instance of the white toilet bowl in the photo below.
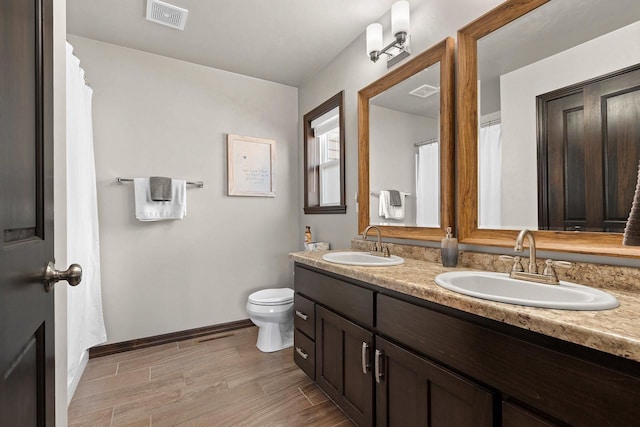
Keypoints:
(271, 310)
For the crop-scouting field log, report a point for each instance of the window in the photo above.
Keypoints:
(324, 158)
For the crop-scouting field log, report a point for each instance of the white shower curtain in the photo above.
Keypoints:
(489, 171)
(85, 322)
(428, 185)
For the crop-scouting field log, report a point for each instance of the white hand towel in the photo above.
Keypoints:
(395, 212)
(148, 210)
(383, 204)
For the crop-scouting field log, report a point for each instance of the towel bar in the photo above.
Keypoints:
(198, 184)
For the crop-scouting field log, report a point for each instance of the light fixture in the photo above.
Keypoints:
(398, 49)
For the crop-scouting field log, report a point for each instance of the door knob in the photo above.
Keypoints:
(73, 275)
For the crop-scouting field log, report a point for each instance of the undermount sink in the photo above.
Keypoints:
(362, 258)
(500, 287)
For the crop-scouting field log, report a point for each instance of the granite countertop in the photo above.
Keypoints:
(615, 331)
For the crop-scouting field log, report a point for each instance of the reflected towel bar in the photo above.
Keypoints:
(198, 184)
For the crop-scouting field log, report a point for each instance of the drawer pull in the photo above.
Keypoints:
(365, 358)
(302, 353)
(378, 361)
(301, 315)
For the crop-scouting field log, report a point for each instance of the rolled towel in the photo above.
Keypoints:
(394, 198)
(160, 188)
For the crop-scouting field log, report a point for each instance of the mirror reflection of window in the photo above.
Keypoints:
(324, 158)
(326, 130)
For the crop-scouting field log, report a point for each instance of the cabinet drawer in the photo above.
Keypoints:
(349, 300)
(304, 354)
(304, 315)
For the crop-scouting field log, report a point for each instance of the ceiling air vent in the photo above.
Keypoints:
(424, 91)
(166, 14)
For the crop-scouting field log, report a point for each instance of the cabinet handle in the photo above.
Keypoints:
(378, 361)
(301, 353)
(365, 358)
(301, 315)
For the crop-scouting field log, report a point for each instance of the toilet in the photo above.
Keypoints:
(271, 310)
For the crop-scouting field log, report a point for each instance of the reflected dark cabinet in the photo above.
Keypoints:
(342, 364)
(413, 391)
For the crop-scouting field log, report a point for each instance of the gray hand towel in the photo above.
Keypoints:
(160, 187)
(394, 198)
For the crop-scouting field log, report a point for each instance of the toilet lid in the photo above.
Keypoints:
(272, 296)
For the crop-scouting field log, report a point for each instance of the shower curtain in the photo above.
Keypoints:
(428, 185)
(85, 322)
(489, 171)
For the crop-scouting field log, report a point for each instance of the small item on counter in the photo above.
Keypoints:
(307, 237)
(317, 246)
(449, 250)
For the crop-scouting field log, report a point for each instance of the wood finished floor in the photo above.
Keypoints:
(219, 380)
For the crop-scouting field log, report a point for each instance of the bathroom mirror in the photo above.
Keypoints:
(405, 132)
(324, 164)
(518, 66)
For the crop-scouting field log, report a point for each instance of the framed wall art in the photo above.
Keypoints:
(250, 166)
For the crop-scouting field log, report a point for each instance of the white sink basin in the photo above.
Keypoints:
(500, 287)
(362, 258)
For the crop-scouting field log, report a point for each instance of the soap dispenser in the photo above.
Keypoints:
(307, 237)
(449, 250)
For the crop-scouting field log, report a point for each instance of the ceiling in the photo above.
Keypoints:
(285, 41)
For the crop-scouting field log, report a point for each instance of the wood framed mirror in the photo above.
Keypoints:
(406, 146)
(511, 61)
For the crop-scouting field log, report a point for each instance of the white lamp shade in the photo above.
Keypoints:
(374, 38)
(400, 17)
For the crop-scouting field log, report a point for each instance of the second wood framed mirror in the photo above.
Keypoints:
(535, 73)
(406, 148)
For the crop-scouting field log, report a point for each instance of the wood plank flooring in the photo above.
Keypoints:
(219, 380)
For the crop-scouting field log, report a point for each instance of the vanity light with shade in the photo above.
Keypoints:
(398, 49)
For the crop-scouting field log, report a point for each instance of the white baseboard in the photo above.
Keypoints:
(75, 379)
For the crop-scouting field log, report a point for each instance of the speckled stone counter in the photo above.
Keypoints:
(614, 331)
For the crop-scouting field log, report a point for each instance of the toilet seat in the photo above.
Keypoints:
(278, 296)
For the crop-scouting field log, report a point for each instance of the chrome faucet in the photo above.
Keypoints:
(533, 266)
(377, 249)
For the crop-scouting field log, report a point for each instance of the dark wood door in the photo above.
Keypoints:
(339, 364)
(26, 213)
(412, 391)
(589, 153)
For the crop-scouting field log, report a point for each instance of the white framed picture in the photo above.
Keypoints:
(250, 166)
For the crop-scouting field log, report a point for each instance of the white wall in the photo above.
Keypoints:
(352, 70)
(392, 156)
(519, 88)
(159, 116)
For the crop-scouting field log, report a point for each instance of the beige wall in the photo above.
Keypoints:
(159, 116)
(352, 70)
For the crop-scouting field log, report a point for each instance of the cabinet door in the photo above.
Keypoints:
(412, 391)
(343, 364)
(516, 416)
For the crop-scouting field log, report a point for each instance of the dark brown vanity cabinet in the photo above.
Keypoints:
(413, 391)
(342, 364)
(375, 381)
(389, 359)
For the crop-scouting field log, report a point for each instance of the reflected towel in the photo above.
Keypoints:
(160, 188)
(148, 210)
(385, 210)
(394, 198)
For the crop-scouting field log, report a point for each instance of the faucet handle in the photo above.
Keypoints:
(517, 265)
(549, 264)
